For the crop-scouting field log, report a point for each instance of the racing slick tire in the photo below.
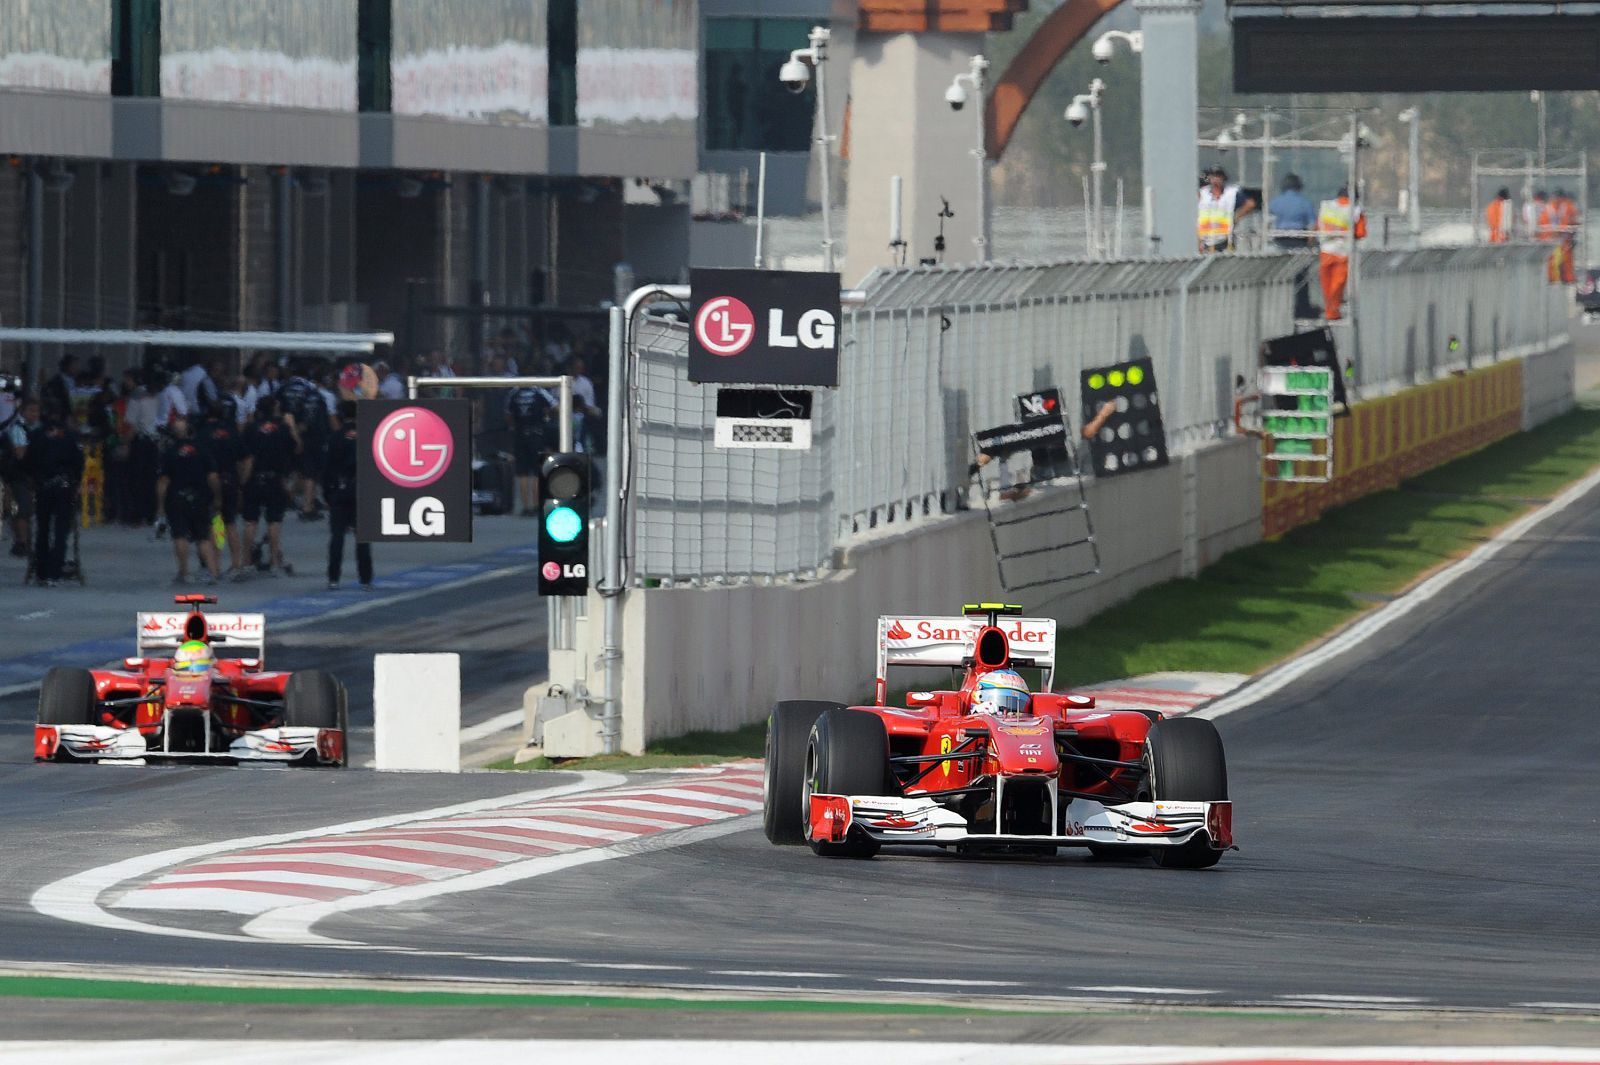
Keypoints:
(1186, 764)
(67, 697)
(316, 699)
(848, 755)
(783, 812)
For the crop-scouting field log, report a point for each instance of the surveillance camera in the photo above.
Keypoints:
(1077, 114)
(956, 96)
(1103, 50)
(795, 75)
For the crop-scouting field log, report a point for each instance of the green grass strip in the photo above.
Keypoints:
(58, 987)
(1260, 604)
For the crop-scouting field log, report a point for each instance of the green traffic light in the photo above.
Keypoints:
(563, 525)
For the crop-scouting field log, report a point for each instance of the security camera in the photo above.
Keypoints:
(956, 96)
(795, 75)
(1077, 114)
(1103, 50)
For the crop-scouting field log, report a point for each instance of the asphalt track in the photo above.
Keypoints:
(1418, 822)
(498, 628)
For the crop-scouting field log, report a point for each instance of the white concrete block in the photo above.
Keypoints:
(416, 701)
(574, 735)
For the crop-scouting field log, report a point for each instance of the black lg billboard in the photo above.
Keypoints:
(414, 470)
(764, 327)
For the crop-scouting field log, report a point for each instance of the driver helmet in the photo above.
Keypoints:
(193, 657)
(1002, 691)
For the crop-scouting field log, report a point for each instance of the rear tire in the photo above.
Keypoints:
(848, 755)
(67, 697)
(783, 816)
(1186, 764)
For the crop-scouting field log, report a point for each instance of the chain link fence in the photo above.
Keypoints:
(938, 352)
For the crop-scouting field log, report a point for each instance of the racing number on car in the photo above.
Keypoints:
(944, 748)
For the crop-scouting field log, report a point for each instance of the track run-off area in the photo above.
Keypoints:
(1415, 802)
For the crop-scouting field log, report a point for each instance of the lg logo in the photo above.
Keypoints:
(413, 448)
(725, 326)
(554, 571)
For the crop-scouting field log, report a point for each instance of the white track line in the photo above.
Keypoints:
(1277, 679)
(76, 898)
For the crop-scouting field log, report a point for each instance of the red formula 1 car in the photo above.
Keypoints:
(948, 771)
(231, 710)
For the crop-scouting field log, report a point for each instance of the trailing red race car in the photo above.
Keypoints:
(990, 765)
(210, 699)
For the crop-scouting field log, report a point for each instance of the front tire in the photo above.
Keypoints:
(783, 814)
(67, 697)
(1186, 764)
(848, 755)
(316, 699)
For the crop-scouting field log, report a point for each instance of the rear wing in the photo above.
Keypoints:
(230, 633)
(952, 641)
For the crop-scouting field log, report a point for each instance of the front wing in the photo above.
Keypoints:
(894, 820)
(102, 743)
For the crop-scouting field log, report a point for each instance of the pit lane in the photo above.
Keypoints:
(1418, 824)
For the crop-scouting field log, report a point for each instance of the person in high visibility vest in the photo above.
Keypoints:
(1221, 206)
(1563, 227)
(1500, 215)
(1338, 221)
(1533, 215)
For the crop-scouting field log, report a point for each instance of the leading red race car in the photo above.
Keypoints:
(950, 771)
(231, 709)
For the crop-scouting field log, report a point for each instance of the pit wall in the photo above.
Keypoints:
(717, 658)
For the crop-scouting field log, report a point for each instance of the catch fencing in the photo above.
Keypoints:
(938, 352)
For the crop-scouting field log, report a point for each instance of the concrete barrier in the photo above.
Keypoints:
(416, 702)
(1548, 385)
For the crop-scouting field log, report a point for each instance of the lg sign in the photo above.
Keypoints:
(411, 480)
(764, 327)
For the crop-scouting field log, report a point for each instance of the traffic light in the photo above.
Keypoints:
(564, 525)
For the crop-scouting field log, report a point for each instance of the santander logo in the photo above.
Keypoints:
(412, 447)
(897, 631)
(725, 326)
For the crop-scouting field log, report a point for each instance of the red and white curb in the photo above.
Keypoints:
(286, 883)
(728, 1052)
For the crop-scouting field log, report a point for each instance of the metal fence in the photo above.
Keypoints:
(937, 352)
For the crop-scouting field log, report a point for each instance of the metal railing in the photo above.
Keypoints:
(937, 352)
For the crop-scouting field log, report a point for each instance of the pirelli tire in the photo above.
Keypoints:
(67, 697)
(316, 699)
(788, 735)
(848, 755)
(1186, 763)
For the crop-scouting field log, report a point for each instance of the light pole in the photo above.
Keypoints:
(1412, 117)
(1538, 97)
(1087, 105)
(1103, 50)
(956, 97)
(795, 74)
